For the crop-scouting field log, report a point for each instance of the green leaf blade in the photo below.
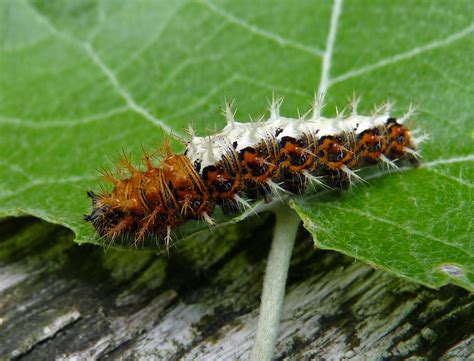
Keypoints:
(412, 224)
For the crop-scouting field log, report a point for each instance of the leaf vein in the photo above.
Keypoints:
(261, 32)
(152, 41)
(396, 225)
(182, 66)
(456, 179)
(133, 105)
(324, 82)
(96, 59)
(37, 124)
(460, 159)
(405, 55)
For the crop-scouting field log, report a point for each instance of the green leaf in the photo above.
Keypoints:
(81, 80)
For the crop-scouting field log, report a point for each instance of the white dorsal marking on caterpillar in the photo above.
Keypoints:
(249, 134)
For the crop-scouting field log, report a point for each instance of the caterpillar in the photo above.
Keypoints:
(247, 162)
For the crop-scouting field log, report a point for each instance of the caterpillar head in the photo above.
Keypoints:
(103, 216)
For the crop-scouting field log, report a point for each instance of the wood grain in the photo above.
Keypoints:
(65, 301)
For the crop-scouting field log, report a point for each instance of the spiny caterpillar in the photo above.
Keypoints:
(247, 161)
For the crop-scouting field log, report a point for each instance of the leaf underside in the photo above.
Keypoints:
(82, 81)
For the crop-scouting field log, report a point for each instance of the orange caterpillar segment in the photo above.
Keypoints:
(259, 167)
(295, 155)
(335, 152)
(189, 189)
(297, 159)
(334, 157)
(370, 146)
(399, 141)
(159, 205)
(151, 202)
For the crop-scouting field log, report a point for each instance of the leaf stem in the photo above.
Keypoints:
(286, 226)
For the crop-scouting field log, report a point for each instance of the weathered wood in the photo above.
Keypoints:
(64, 301)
